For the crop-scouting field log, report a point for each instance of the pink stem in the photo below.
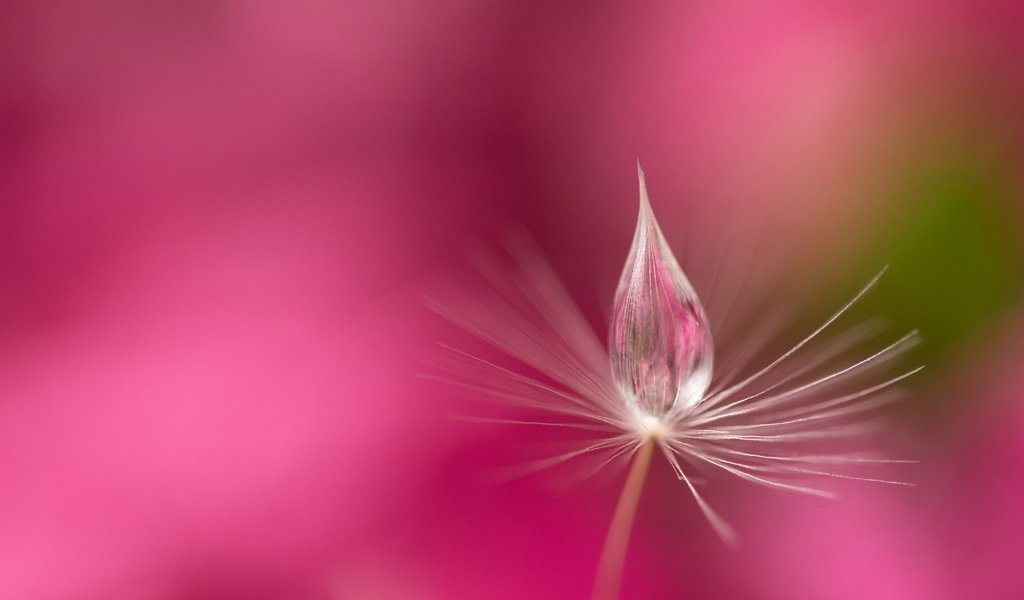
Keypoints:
(613, 556)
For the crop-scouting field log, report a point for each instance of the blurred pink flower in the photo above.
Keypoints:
(209, 312)
(216, 218)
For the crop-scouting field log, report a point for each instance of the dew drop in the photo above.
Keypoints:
(660, 345)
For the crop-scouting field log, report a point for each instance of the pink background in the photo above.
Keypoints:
(217, 220)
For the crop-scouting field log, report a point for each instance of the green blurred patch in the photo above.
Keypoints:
(954, 247)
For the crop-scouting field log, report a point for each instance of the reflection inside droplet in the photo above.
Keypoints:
(660, 345)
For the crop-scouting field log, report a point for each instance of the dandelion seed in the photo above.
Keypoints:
(649, 388)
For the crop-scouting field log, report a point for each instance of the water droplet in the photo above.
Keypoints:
(660, 345)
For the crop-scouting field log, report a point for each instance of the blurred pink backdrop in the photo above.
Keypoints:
(218, 217)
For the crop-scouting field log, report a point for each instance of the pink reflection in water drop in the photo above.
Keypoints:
(660, 345)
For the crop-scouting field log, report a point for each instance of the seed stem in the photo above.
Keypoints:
(613, 556)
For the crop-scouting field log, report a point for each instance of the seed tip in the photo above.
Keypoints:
(645, 200)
